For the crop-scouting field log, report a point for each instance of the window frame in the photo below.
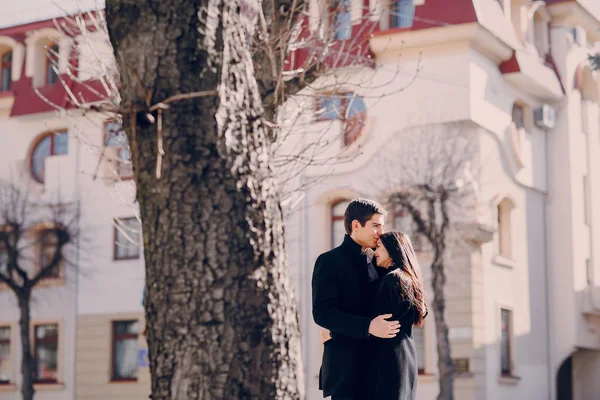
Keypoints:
(38, 140)
(114, 340)
(10, 342)
(34, 343)
(115, 236)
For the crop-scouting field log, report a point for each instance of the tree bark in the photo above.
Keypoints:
(221, 317)
(24, 301)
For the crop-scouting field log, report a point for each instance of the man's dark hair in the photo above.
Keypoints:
(361, 210)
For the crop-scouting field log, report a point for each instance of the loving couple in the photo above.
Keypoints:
(368, 310)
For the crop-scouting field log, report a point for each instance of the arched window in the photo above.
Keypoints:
(5, 70)
(505, 208)
(402, 13)
(346, 107)
(50, 144)
(337, 222)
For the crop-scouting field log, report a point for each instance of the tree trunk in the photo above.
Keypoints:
(445, 367)
(221, 317)
(24, 300)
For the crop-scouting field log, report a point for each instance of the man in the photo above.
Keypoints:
(341, 302)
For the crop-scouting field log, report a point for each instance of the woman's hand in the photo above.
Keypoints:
(325, 335)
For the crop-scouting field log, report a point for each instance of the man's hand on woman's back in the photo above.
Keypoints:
(381, 328)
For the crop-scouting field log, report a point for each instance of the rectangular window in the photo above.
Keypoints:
(45, 353)
(125, 350)
(505, 342)
(116, 139)
(51, 64)
(402, 14)
(127, 236)
(6, 71)
(5, 366)
(419, 339)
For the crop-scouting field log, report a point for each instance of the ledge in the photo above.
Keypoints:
(48, 386)
(509, 380)
(427, 378)
(503, 262)
(8, 387)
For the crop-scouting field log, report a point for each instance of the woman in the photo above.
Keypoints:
(394, 370)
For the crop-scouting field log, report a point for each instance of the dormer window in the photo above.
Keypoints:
(6, 71)
(51, 64)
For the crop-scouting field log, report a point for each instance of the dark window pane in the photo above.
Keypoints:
(505, 342)
(6, 74)
(51, 64)
(126, 327)
(5, 367)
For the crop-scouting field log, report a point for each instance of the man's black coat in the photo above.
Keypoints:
(341, 303)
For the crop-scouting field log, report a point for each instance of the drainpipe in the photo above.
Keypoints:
(548, 277)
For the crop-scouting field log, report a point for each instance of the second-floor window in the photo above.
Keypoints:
(52, 144)
(6, 71)
(402, 13)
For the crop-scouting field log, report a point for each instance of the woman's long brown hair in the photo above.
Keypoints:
(401, 250)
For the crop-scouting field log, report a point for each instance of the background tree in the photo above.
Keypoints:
(34, 237)
(436, 189)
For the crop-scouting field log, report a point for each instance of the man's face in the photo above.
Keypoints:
(368, 235)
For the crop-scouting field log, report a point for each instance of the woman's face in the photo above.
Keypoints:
(382, 257)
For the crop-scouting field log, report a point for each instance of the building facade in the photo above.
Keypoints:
(87, 322)
(512, 76)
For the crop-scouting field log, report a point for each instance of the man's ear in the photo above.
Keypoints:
(355, 225)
